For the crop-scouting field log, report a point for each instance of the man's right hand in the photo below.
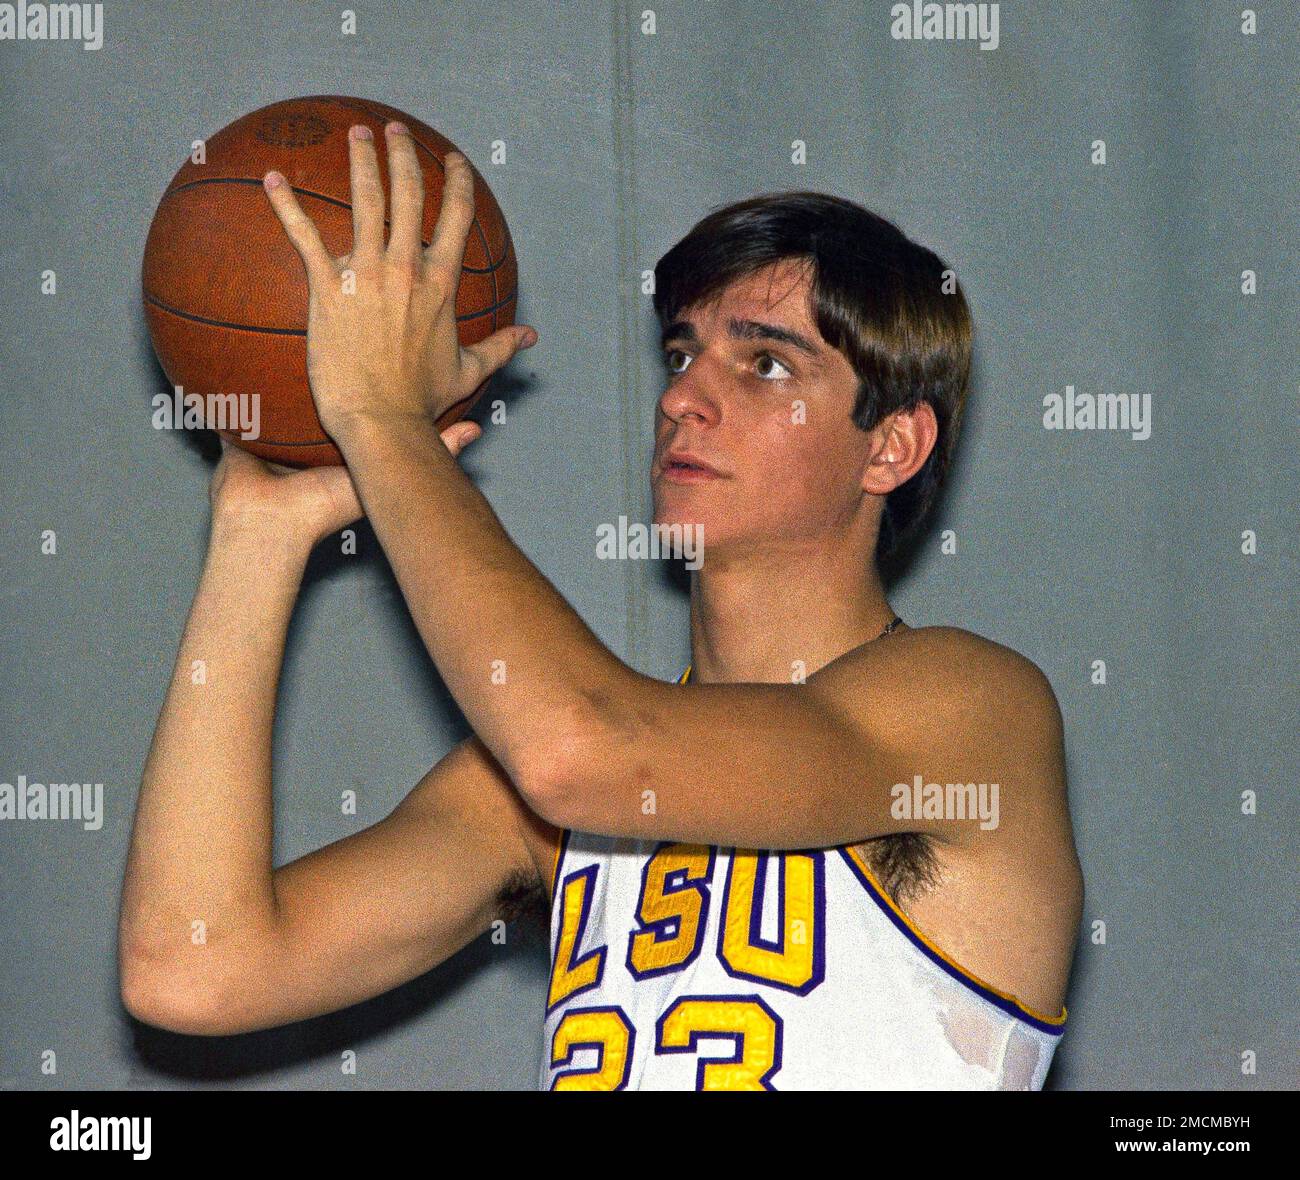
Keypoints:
(284, 503)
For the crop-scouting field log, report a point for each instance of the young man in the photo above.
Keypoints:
(910, 919)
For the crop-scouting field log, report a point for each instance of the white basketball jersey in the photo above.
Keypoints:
(690, 967)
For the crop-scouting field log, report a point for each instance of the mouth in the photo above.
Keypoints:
(683, 468)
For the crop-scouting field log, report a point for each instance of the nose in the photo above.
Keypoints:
(688, 396)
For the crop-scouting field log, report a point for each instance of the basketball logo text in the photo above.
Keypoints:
(292, 131)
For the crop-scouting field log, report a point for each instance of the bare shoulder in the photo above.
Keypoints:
(954, 710)
(956, 652)
(981, 669)
(945, 668)
(1003, 893)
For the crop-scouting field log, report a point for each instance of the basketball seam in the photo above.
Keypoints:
(498, 301)
(306, 192)
(275, 442)
(193, 317)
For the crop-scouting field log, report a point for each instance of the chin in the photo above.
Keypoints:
(681, 505)
(713, 532)
(672, 509)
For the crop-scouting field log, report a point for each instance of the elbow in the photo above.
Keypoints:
(159, 991)
(547, 784)
(160, 1001)
(556, 776)
(588, 753)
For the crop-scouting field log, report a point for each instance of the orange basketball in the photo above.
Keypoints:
(225, 293)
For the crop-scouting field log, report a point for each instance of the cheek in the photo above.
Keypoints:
(808, 470)
(789, 477)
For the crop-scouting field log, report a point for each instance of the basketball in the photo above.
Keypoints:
(225, 293)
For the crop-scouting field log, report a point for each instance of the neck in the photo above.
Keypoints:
(754, 615)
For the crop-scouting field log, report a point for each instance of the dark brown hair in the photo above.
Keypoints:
(877, 297)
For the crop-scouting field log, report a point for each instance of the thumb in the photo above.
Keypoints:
(460, 434)
(487, 356)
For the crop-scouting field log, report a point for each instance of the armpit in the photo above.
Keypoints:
(523, 895)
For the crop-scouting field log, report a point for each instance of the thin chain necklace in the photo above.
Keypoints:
(890, 628)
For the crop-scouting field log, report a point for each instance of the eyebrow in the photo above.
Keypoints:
(684, 331)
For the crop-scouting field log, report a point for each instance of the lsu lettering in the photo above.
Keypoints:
(682, 966)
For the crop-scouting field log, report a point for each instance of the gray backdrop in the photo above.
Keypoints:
(1071, 546)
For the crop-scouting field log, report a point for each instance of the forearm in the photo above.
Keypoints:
(201, 846)
(521, 664)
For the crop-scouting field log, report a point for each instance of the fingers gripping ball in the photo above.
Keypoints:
(225, 293)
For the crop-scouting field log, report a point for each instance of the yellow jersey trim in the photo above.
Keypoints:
(982, 985)
(969, 976)
(559, 853)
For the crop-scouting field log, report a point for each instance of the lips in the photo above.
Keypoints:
(684, 465)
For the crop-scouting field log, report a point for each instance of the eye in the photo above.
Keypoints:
(668, 360)
(768, 376)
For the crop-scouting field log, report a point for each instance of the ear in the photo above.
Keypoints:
(900, 445)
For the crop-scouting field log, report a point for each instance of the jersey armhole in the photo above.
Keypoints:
(1054, 1025)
